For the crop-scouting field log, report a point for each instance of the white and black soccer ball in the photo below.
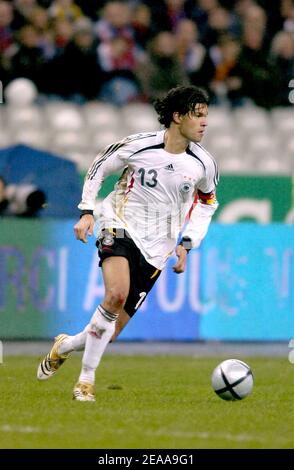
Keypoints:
(232, 380)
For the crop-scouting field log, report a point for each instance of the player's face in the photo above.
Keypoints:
(192, 125)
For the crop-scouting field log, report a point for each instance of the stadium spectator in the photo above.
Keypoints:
(220, 22)
(227, 83)
(29, 59)
(118, 59)
(117, 53)
(242, 6)
(165, 14)
(282, 53)
(115, 21)
(63, 33)
(288, 13)
(255, 19)
(23, 10)
(142, 24)
(141, 220)
(65, 9)
(160, 70)
(175, 10)
(75, 73)
(40, 21)
(193, 55)
(199, 12)
(6, 33)
(257, 74)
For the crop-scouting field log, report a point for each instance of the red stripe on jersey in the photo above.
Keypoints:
(208, 198)
(192, 207)
(131, 184)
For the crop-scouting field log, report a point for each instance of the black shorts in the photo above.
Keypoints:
(142, 274)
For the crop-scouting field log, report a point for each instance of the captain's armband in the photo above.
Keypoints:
(207, 198)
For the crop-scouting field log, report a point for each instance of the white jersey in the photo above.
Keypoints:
(155, 194)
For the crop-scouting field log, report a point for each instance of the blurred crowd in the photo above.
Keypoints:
(136, 50)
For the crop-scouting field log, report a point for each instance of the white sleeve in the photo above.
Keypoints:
(106, 163)
(199, 221)
(111, 160)
(201, 214)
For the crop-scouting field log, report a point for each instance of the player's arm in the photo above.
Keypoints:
(84, 227)
(196, 228)
(180, 265)
(111, 160)
(200, 219)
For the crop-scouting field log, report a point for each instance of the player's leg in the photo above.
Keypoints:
(62, 347)
(116, 275)
(123, 319)
(78, 341)
(142, 278)
(65, 344)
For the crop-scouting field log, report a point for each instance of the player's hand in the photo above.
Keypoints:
(84, 227)
(180, 265)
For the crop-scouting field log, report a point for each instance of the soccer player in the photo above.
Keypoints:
(167, 186)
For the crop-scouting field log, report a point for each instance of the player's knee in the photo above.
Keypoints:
(99, 326)
(115, 298)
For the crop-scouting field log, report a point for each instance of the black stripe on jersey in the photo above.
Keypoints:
(113, 148)
(93, 170)
(216, 179)
(158, 146)
(189, 151)
(140, 137)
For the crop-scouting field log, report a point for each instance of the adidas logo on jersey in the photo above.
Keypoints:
(169, 167)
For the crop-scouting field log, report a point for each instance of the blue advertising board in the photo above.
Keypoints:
(237, 286)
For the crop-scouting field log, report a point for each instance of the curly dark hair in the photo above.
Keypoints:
(181, 99)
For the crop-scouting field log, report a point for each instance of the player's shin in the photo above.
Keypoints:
(102, 327)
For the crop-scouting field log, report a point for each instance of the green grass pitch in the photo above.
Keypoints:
(145, 402)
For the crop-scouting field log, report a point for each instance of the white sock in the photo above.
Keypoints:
(74, 343)
(102, 326)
